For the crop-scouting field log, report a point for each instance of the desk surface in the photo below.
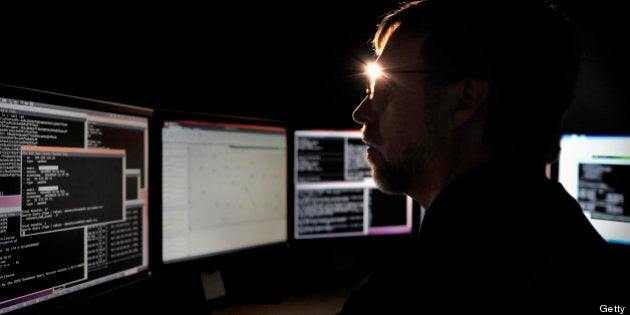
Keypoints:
(328, 302)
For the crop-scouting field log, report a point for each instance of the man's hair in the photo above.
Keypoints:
(526, 49)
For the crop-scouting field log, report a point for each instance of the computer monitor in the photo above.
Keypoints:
(73, 198)
(224, 184)
(595, 170)
(334, 192)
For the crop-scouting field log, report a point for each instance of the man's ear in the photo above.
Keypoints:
(474, 93)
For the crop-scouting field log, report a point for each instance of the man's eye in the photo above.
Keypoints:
(379, 88)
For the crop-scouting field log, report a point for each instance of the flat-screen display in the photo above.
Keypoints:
(73, 196)
(595, 170)
(224, 184)
(334, 192)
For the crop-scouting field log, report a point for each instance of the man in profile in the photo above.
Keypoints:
(462, 114)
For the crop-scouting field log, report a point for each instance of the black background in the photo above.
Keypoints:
(296, 61)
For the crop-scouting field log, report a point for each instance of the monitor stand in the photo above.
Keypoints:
(212, 282)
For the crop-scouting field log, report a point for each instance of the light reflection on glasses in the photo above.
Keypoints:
(374, 71)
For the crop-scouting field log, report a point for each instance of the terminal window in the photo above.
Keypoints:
(67, 219)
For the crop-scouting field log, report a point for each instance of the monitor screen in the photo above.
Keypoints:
(595, 170)
(224, 185)
(73, 196)
(334, 192)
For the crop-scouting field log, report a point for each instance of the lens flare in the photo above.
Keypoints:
(373, 71)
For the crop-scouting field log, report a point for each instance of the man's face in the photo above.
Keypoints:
(403, 117)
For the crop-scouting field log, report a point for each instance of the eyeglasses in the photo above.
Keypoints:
(374, 72)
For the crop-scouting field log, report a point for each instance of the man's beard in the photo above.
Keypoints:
(396, 177)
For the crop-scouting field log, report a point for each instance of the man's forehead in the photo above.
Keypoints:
(402, 52)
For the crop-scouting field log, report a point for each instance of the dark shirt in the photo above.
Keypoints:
(501, 239)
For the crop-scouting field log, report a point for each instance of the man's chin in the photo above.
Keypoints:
(383, 180)
(387, 179)
(385, 186)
